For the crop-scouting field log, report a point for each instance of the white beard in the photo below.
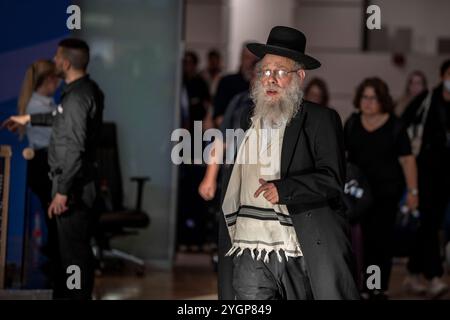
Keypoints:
(282, 109)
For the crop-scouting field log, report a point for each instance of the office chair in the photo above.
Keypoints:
(115, 220)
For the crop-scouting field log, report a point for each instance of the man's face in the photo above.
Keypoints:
(277, 95)
(275, 86)
(61, 63)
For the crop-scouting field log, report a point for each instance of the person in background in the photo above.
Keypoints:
(197, 91)
(317, 91)
(416, 84)
(239, 105)
(378, 144)
(36, 96)
(233, 84)
(192, 220)
(429, 118)
(213, 71)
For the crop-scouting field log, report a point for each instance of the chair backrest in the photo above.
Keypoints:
(109, 173)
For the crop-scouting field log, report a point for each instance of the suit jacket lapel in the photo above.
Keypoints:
(290, 139)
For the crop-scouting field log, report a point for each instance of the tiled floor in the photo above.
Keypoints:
(194, 278)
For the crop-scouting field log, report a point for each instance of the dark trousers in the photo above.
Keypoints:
(425, 257)
(192, 209)
(41, 185)
(378, 234)
(74, 230)
(38, 179)
(256, 280)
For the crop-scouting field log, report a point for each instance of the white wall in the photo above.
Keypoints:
(428, 20)
(333, 26)
(251, 20)
(206, 27)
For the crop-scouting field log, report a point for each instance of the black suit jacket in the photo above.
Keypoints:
(311, 186)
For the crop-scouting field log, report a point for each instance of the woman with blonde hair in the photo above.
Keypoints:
(415, 85)
(36, 96)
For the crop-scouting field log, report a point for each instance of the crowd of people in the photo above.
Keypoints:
(397, 151)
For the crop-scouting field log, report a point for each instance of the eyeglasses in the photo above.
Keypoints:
(277, 73)
(369, 98)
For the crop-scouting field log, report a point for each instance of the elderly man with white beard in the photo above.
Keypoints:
(285, 234)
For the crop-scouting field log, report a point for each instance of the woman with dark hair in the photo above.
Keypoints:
(317, 91)
(377, 143)
(416, 84)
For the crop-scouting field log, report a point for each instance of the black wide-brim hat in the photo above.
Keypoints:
(286, 42)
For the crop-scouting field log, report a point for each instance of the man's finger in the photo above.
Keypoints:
(59, 209)
(262, 181)
(270, 197)
(13, 127)
(50, 211)
(9, 124)
(5, 123)
(268, 194)
(262, 188)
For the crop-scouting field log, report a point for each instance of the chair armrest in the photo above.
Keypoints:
(140, 187)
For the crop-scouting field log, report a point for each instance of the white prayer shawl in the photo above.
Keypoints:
(255, 223)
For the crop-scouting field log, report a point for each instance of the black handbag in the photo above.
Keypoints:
(406, 226)
(357, 194)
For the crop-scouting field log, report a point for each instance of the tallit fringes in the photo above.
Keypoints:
(280, 259)
(231, 251)
(252, 251)
(266, 258)
(259, 254)
(241, 251)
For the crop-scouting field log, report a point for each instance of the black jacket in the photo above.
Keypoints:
(433, 139)
(311, 185)
(229, 86)
(75, 129)
(432, 160)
